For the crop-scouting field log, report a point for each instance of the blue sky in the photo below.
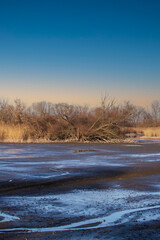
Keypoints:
(74, 51)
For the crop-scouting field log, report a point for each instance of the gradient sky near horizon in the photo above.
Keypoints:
(77, 50)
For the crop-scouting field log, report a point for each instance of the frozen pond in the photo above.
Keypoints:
(78, 191)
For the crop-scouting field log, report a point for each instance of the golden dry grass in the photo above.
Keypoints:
(14, 132)
(24, 132)
(149, 132)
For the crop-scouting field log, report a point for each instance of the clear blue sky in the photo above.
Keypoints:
(75, 50)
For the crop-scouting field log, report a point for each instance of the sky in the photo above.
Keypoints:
(76, 51)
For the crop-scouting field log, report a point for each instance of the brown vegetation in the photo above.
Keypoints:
(62, 121)
(149, 131)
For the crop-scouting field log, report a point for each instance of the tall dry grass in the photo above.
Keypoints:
(149, 132)
(14, 132)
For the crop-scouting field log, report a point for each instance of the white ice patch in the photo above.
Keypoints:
(8, 218)
(98, 209)
(99, 222)
(141, 155)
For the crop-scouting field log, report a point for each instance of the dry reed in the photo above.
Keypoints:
(149, 132)
(14, 132)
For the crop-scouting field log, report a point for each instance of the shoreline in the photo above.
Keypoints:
(45, 141)
(110, 141)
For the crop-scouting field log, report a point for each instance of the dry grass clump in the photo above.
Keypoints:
(149, 132)
(152, 132)
(14, 132)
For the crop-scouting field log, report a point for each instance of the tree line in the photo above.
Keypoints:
(46, 120)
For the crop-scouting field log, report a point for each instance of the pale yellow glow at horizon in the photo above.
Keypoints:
(81, 98)
(34, 91)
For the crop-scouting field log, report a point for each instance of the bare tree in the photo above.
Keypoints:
(3, 109)
(42, 109)
(155, 107)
